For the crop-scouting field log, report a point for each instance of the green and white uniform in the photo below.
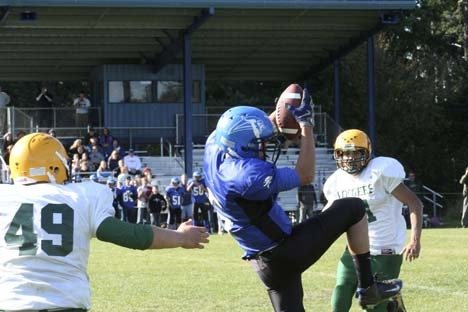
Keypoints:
(45, 232)
(387, 227)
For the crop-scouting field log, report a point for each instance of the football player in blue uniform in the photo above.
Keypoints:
(174, 194)
(197, 187)
(243, 186)
(126, 196)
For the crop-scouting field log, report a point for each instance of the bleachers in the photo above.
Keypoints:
(166, 167)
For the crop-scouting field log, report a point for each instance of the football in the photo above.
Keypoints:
(285, 121)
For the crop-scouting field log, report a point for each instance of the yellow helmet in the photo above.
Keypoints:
(352, 150)
(38, 157)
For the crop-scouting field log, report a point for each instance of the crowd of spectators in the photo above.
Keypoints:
(137, 199)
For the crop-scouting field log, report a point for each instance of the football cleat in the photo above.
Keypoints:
(379, 291)
(395, 304)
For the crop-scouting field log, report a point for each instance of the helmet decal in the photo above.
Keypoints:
(246, 124)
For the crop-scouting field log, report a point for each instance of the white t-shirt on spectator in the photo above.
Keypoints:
(82, 105)
(132, 162)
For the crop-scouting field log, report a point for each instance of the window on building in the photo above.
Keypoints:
(165, 91)
(173, 92)
(116, 92)
(130, 92)
(140, 91)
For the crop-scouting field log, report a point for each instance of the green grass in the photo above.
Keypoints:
(216, 279)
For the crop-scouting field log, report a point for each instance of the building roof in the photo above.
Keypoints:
(252, 40)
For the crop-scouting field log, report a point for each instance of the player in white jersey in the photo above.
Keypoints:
(46, 227)
(379, 182)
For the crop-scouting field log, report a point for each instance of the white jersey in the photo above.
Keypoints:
(374, 185)
(45, 232)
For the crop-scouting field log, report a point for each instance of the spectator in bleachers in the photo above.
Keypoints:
(132, 162)
(148, 174)
(7, 141)
(6, 154)
(187, 203)
(156, 203)
(84, 156)
(116, 147)
(113, 161)
(4, 102)
(75, 164)
(82, 152)
(44, 99)
(52, 132)
(126, 196)
(102, 171)
(143, 192)
(106, 140)
(121, 168)
(74, 147)
(19, 135)
(84, 167)
(90, 134)
(82, 105)
(95, 157)
(94, 142)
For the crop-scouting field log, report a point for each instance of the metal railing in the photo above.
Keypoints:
(5, 171)
(433, 199)
(60, 117)
(16, 120)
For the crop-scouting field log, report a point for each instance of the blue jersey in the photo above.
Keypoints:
(174, 195)
(244, 192)
(187, 198)
(198, 191)
(127, 193)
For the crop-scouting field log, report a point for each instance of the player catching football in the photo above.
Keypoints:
(46, 227)
(379, 182)
(243, 187)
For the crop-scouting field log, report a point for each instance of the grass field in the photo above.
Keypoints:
(216, 279)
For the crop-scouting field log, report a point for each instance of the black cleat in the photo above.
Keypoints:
(395, 304)
(379, 291)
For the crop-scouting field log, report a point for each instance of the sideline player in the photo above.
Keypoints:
(243, 187)
(174, 195)
(46, 227)
(379, 182)
(197, 187)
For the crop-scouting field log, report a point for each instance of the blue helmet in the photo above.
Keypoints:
(175, 180)
(242, 131)
(111, 181)
(196, 175)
